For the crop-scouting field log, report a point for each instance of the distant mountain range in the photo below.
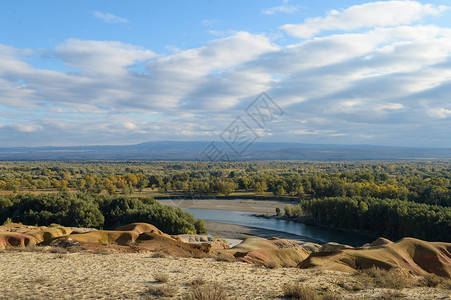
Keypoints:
(168, 150)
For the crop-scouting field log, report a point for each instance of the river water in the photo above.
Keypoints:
(316, 232)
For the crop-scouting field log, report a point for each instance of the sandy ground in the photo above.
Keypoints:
(30, 275)
(255, 206)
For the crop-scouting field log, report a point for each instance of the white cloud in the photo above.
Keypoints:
(222, 33)
(374, 14)
(389, 106)
(209, 22)
(105, 57)
(288, 9)
(178, 78)
(28, 127)
(316, 132)
(109, 18)
(439, 112)
(386, 85)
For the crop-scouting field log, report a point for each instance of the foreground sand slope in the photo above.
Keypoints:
(31, 275)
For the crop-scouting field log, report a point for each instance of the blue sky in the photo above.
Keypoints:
(117, 72)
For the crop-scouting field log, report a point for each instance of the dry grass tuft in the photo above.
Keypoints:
(331, 296)
(42, 280)
(161, 277)
(356, 287)
(198, 281)
(207, 292)
(391, 294)
(38, 249)
(58, 250)
(162, 290)
(271, 265)
(159, 255)
(446, 284)
(31, 248)
(102, 251)
(299, 292)
(432, 280)
(384, 279)
(226, 258)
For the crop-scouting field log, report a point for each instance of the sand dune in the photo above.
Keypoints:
(14, 239)
(417, 256)
(43, 233)
(270, 253)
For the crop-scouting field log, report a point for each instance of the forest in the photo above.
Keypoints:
(94, 210)
(392, 198)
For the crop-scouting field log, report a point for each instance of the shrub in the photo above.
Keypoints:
(298, 291)
(330, 296)
(207, 292)
(159, 255)
(384, 279)
(200, 226)
(162, 290)
(42, 280)
(161, 277)
(432, 280)
(271, 265)
(58, 250)
(102, 251)
(198, 281)
(391, 294)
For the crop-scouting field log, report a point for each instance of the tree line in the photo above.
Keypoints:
(94, 210)
(393, 199)
(392, 218)
(416, 182)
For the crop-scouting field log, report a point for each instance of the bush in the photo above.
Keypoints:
(200, 226)
(384, 279)
(391, 294)
(161, 277)
(198, 281)
(159, 255)
(298, 291)
(162, 291)
(432, 280)
(330, 296)
(207, 292)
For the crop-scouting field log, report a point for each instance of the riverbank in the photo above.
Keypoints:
(251, 206)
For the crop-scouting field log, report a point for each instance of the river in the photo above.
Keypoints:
(315, 232)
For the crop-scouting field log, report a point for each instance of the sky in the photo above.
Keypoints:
(93, 72)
